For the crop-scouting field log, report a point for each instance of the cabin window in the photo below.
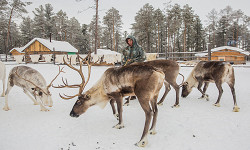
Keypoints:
(221, 58)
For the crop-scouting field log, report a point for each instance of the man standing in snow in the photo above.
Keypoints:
(133, 52)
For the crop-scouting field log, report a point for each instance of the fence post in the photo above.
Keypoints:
(209, 51)
(54, 56)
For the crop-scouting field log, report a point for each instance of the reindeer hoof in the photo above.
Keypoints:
(6, 108)
(236, 109)
(152, 132)
(217, 105)
(142, 143)
(45, 109)
(118, 126)
(126, 104)
(160, 104)
(204, 97)
(176, 106)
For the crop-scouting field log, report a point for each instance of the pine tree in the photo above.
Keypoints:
(26, 28)
(39, 22)
(144, 26)
(112, 26)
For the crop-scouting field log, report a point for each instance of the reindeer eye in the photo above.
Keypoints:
(78, 102)
(40, 93)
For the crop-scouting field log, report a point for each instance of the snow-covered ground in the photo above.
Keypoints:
(195, 125)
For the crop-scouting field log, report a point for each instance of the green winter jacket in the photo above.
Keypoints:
(132, 54)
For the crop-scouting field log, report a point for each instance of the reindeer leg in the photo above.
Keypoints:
(34, 100)
(112, 101)
(204, 91)
(42, 106)
(177, 91)
(155, 111)
(119, 108)
(220, 93)
(6, 106)
(235, 108)
(199, 88)
(127, 101)
(148, 113)
(167, 89)
(3, 94)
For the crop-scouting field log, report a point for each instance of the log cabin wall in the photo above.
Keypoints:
(227, 55)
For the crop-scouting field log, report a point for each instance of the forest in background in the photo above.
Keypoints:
(174, 29)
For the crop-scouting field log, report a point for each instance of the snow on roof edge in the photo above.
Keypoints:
(204, 53)
(61, 46)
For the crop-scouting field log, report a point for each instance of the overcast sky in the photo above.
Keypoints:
(128, 8)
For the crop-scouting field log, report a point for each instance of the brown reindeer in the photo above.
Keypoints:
(170, 69)
(141, 80)
(211, 71)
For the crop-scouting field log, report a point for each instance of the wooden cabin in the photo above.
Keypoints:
(44, 46)
(230, 54)
(17, 51)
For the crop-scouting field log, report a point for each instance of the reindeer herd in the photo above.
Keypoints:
(143, 80)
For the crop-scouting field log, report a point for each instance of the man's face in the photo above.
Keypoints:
(130, 42)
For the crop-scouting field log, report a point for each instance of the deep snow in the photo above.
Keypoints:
(195, 125)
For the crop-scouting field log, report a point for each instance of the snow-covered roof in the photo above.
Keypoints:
(204, 53)
(60, 46)
(19, 49)
(105, 51)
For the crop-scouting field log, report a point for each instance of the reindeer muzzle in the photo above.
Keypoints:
(73, 114)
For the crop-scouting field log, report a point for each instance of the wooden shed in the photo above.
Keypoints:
(17, 51)
(225, 53)
(44, 46)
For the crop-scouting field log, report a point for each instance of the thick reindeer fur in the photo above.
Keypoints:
(3, 76)
(217, 72)
(171, 70)
(40, 93)
(141, 80)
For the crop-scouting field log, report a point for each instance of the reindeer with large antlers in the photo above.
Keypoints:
(33, 84)
(144, 81)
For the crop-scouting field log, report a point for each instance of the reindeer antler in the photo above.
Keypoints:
(83, 83)
(182, 83)
(60, 70)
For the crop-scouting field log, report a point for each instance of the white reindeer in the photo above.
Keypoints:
(32, 82)
(3, 76)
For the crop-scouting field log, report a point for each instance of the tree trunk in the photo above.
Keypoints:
(96, 26)
(8, 34)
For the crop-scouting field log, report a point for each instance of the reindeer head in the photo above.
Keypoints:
(43, 94)
(186, 89)
(81, 105)
(84, 100)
